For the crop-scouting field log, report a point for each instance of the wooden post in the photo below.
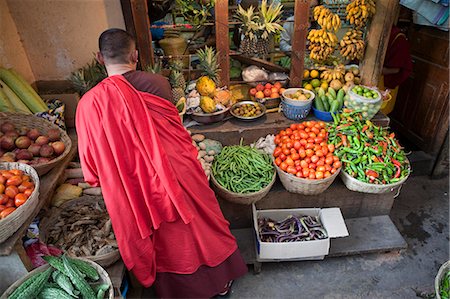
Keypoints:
(137, 22)
(222, 40)
(377, 41)
(301, 17)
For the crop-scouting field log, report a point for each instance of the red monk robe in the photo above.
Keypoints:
(165, 216)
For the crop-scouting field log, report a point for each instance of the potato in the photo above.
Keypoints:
(209, 158)
(201, 154)
(202, 146)
(211, 152)
(198, 137)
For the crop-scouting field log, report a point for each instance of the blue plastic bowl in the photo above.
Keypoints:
(322, 115)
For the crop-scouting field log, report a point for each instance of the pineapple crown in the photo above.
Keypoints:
(209, 64)
(88, 76)
(262, 24)
(155, 68)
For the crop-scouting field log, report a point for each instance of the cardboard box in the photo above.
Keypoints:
(331, 219)
(71, 102)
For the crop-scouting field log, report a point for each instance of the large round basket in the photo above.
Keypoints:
(43, 125)
(242, 198)
(52, 218)
(355, 185)
(303, 186)
(10, 224)
(441, 274)
(104, 279)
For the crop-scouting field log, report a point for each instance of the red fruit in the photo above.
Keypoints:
(268, 86)
(259, 87)
(41, 140)
(267, 92)
(253, 91)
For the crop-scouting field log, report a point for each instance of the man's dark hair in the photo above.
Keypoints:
(115, 45)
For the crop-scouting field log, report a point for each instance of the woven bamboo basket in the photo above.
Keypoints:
(440, 275)
(10, 224)
(242, 198)
(52, 218)
(303, 186)
(43, 125)
(104, 278)
(355, 185)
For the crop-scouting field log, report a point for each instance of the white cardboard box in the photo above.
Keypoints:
(331, 219)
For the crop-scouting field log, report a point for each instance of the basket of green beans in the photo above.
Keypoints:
(242, 174)
(373, 160)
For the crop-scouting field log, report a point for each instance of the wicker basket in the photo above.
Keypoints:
(9, 225)
(104, 278)
(52, 218)
(241, 198)
(440, 275)
(355, 185)
(298, 185)
(43, 125)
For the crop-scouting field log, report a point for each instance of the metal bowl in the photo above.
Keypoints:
(239, 104)
(209, 118)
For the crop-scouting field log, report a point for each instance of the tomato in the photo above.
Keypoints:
(312, 176)
(314, 159)
(297, 145)
(323, 143)
(307, 160)
(2, 207)
(328, 167)
(14, 180)
(321, 162)
(325, 150)
(16, 172)
(289, 161)
(282, 133)
(10, 203)
(302, 153)
(6, 174)
(309, 146)
(337, 164)
(315, 130)
(291, 170)
(20, 199)
(288, 131)
(317, 147)
(298, 168)
(312, 135)
(28, 192)
(303, 135)
(277, 162)
(295, 157)
(293, 151)
(6, 212)
(331, 148)
(319, 153)
(309, 152)
(307, 130)
(293, 126)
(3, 199)
(2, 179)
(305, 172)
(284, 138)
(277, 140)
(299, 174)
(301, 126)
(2, 188)
(283, 166)
(320, 168)
(333, 170)
(335, 158)
(286, 152)
(26, 178)
(296, 137)
(319, 175)
(318, 140)
(322, 134)
(304, 164)
(277, 152)
(310, 140)
(312, 166)
(327, 174)
(11, 191)
(283, 157)
(303, 142)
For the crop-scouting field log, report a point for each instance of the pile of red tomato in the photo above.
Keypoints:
(15, 189)
(302, 150)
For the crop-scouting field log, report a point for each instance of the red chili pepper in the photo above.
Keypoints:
(342, 126)
(397, 173)
(371, 173)
(369, 134)
(392, 135)
(344, 140)
(396, 163)
(364, 129)
(338, 145)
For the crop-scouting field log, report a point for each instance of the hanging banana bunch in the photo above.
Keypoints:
(360, 11)
(352, 45)
(326, 19)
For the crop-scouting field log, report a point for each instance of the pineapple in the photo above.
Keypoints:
(155, 68)
(178, 84)
(206, 85)
(88, 76)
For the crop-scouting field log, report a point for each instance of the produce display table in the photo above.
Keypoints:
(362, 211)
(11, 251)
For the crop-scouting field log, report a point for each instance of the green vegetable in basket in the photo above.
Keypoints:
(32, 285)
(242, 169)
(444, 286)
(369, 153)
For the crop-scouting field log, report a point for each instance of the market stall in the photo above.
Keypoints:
(299, 156)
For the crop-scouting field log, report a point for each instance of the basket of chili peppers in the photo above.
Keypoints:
(373, 160)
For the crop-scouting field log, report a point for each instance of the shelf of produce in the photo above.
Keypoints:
(352, 204)
(231, 131)
(49, 182)
(366, 235)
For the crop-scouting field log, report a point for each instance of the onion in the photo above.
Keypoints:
(7, 127)
(41, 140)
(33, 134)
(58, 147)
(46, 151)
(34, 149)
(53, 134)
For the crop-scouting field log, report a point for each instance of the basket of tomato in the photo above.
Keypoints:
(305, 162)
(19, 196)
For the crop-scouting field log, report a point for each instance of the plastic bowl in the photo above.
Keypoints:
(290, 101)
(368, 107)
(322, 115)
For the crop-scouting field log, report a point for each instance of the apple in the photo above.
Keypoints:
(277, 85)
(274, 95)
(267, 92)
(268, 86)
(259, 87)
(274, 90)
(259, 95)
(253, 91)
